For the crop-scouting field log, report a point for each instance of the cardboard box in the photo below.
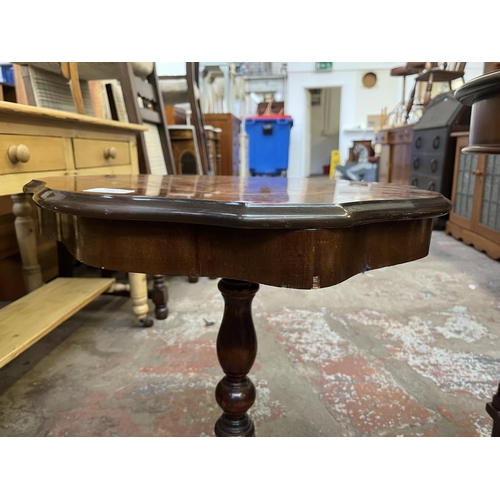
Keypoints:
(373, 121)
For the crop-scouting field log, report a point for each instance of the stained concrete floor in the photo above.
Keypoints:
(411, 350)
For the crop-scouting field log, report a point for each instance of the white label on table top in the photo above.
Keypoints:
(109, 190)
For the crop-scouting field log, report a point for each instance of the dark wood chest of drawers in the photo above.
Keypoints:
(432, 160)
(433, 150)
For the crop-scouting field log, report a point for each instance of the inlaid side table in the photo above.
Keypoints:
(295, 233)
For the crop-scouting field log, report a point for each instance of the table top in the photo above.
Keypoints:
(479, 88)
(240, 202)
(483, 94)
(298, 233)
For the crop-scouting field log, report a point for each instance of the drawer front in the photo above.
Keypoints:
(430, 141)
(403, 136)
(428, 164)
(92, 153)
(25, 153)
(426, 182)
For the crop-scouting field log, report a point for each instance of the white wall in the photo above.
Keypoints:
(386, 92)
(170, 68)
(356, 102)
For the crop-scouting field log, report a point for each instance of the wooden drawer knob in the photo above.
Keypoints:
(19, 154)
(110, 153)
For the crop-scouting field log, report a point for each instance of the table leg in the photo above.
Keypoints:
(493, 409)
(139, 296)
(236, 350)
(160, 296)
(26, 239)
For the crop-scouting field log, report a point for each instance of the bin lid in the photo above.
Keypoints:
(269, 117)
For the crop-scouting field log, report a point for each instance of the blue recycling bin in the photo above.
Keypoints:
(7, 73)
(268, 143)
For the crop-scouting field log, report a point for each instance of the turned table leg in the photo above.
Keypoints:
(160, 296)
(26, 239)
(139, 296)
(493, 410)
(236, 350)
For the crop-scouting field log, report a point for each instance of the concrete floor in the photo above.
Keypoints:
(411, 350)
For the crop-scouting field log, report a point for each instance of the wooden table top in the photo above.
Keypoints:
(297, 233)
(483, 94)
(251, 202)
(479, 88)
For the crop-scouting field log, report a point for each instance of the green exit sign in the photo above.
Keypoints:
(324, 66)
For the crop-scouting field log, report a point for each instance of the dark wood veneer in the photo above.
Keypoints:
(297, 233)
(483, 94)
(223, 201)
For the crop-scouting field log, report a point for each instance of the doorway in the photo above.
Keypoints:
(324, 127)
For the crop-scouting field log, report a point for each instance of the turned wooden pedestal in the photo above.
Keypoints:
(236, 350)
(295, 233)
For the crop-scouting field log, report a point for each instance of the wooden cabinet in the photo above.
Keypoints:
(212, 136)
(475, 217)
(184, 149)
(434, 144)
(38, 143)
(432, 160)
(229, 141)
(400, 142)
(395, 156)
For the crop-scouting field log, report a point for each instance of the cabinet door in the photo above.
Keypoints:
(488, 204)
(464, 184)
(397, 163)
(383, 163)
(400, 171)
